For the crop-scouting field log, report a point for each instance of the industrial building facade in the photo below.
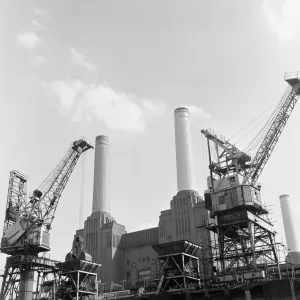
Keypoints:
(130, 256)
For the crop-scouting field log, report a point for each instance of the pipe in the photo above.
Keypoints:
(184, 155)
(101, 193)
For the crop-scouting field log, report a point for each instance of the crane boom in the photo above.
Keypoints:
(44, 200)
(33, 222)
(264, 152)
(245, 235)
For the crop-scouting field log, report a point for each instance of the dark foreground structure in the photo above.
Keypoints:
(284, 289)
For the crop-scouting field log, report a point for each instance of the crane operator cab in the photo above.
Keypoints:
(78, 251)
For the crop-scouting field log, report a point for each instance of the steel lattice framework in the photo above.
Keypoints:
(16, 198)
(43, 208)
(18, 267)
(245, 244)
(228, 159)
(39, 211)
(178, 266)
(27, 224)
(266, 148)
(245, 237)
(76, 279)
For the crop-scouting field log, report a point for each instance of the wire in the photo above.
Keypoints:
(257, 140)
(43, 186)
(81, 206)
(264, 120)
(250, 122)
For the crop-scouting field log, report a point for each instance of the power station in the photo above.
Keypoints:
(220, 246)
(130, 256)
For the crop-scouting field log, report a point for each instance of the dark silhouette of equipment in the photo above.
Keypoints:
(78, 251)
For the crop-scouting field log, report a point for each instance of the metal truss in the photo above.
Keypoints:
(38, 213)
(224, 158)
(16, 199)
(266, 148)
(19, 271)
(46, 285)
(70, 280)
(244, 245)
(45, 199)
(76, 280)
(178, 269)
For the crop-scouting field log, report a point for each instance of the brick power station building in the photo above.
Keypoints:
(130, 256)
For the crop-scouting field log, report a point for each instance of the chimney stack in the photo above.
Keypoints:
(101, 195)
(184, 155)
(290, 228)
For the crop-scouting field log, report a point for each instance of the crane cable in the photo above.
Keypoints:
(268, 121)
(245, 135)
(81, 206)
(262, 133)
(42, 187)
(249, 124)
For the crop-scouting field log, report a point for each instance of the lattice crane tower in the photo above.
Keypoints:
(27, 225)
(245, 236)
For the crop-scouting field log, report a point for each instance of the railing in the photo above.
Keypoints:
(216, 135)
(292, 75)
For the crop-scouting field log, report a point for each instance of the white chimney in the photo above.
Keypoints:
(101, 195)
(184, 155)
(290, 228)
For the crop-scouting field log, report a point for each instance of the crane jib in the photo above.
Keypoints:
(268, 144)
(32, 223)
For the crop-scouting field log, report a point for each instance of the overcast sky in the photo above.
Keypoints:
(120, 68)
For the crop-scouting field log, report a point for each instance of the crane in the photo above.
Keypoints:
(245, 233)
(229, 160)
(273, 134)
(27, 224)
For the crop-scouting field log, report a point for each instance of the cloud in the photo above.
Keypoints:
(36, 24)
(29, 40)
(80, 60)
(285, 22)
(42, 13)
(67, 93)
(117, 110)
(197, 111)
